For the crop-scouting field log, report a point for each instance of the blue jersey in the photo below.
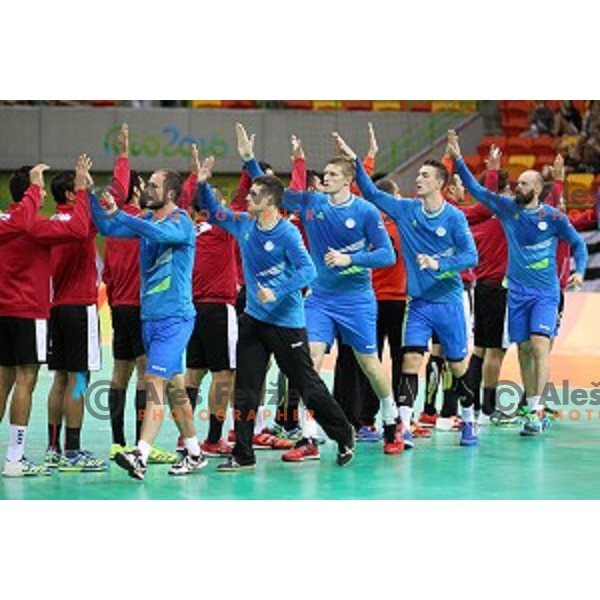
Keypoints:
(353, 227)
(275, 258)
(167, 250)
(532, 236)
(443, 235)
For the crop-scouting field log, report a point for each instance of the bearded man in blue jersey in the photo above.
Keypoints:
(532, 232)
(436, 245)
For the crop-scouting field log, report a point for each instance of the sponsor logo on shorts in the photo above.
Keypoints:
(371, 346)
(544, 327)
(297, 344)
(156, 368)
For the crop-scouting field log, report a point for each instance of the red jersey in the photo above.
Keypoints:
(389, 283)
(25, 261)
(74, 271)
(121, 272)
(214, 278)
(20, 220)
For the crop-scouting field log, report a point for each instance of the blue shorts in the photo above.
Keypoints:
(531, 312)
(447, 320)
(352, 317)
(165, 341)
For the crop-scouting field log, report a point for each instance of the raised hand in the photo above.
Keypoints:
(205, 169)
(265, 295)
(427, 262)
(335, 258)
(494, 158)
(36, 175)
(123, 140)
(373, 147)
(83, 179)
(196, 165)
(558, 169)
(453, 148)
(297, 149)
(245, 144)
(342, 147)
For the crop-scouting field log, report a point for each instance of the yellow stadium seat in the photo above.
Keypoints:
(454, 106)
(326, 104)
(581, 180)
(387, 105)
(207, 103)
(524, 160)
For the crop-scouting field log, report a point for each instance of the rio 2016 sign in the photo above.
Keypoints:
(170, 143)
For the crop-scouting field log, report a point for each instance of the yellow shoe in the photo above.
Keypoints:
(158, 456)
(116, 448)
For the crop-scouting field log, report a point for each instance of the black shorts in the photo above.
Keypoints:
(22, 341)
(240, 303)
(74, 338)
(214, 339)
(491, 330)
(127, 333)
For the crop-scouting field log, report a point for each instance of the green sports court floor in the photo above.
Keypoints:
(563, 464)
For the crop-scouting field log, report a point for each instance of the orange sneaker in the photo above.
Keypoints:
(418, 431)
(221, 448)
(426, 420)
(304, 450)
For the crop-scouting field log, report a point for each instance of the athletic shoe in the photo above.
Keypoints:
(448, 424)
(24, 468)
(52, 458)
(282, 433)
(345, 455)
(158, 456)
(469, 434)
(407, 437)
(81, 461)
(392, 441)
(533, 425)
(231, 465)
(305, 450)
(426, 420)
(221, 448)
(188, 464)
(115, 449)
(418, 431)
(132, 462)
(282, 444)
(263, 441)
(500, 419)
(368, 434)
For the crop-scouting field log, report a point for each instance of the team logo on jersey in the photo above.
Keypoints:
(542, 225)
(350, 223)
(269, 246)
(440, 231)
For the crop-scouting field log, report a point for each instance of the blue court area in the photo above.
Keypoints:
(562, 464)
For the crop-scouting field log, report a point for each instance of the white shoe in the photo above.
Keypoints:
(24, 468)
(188, 464)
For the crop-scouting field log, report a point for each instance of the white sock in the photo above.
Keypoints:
(533, 402)
(259, 424)
(145, 448)
(406, 416)
(467, 413)
(309, 429)
(389, 410)
(16, 444)
(192, 446)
